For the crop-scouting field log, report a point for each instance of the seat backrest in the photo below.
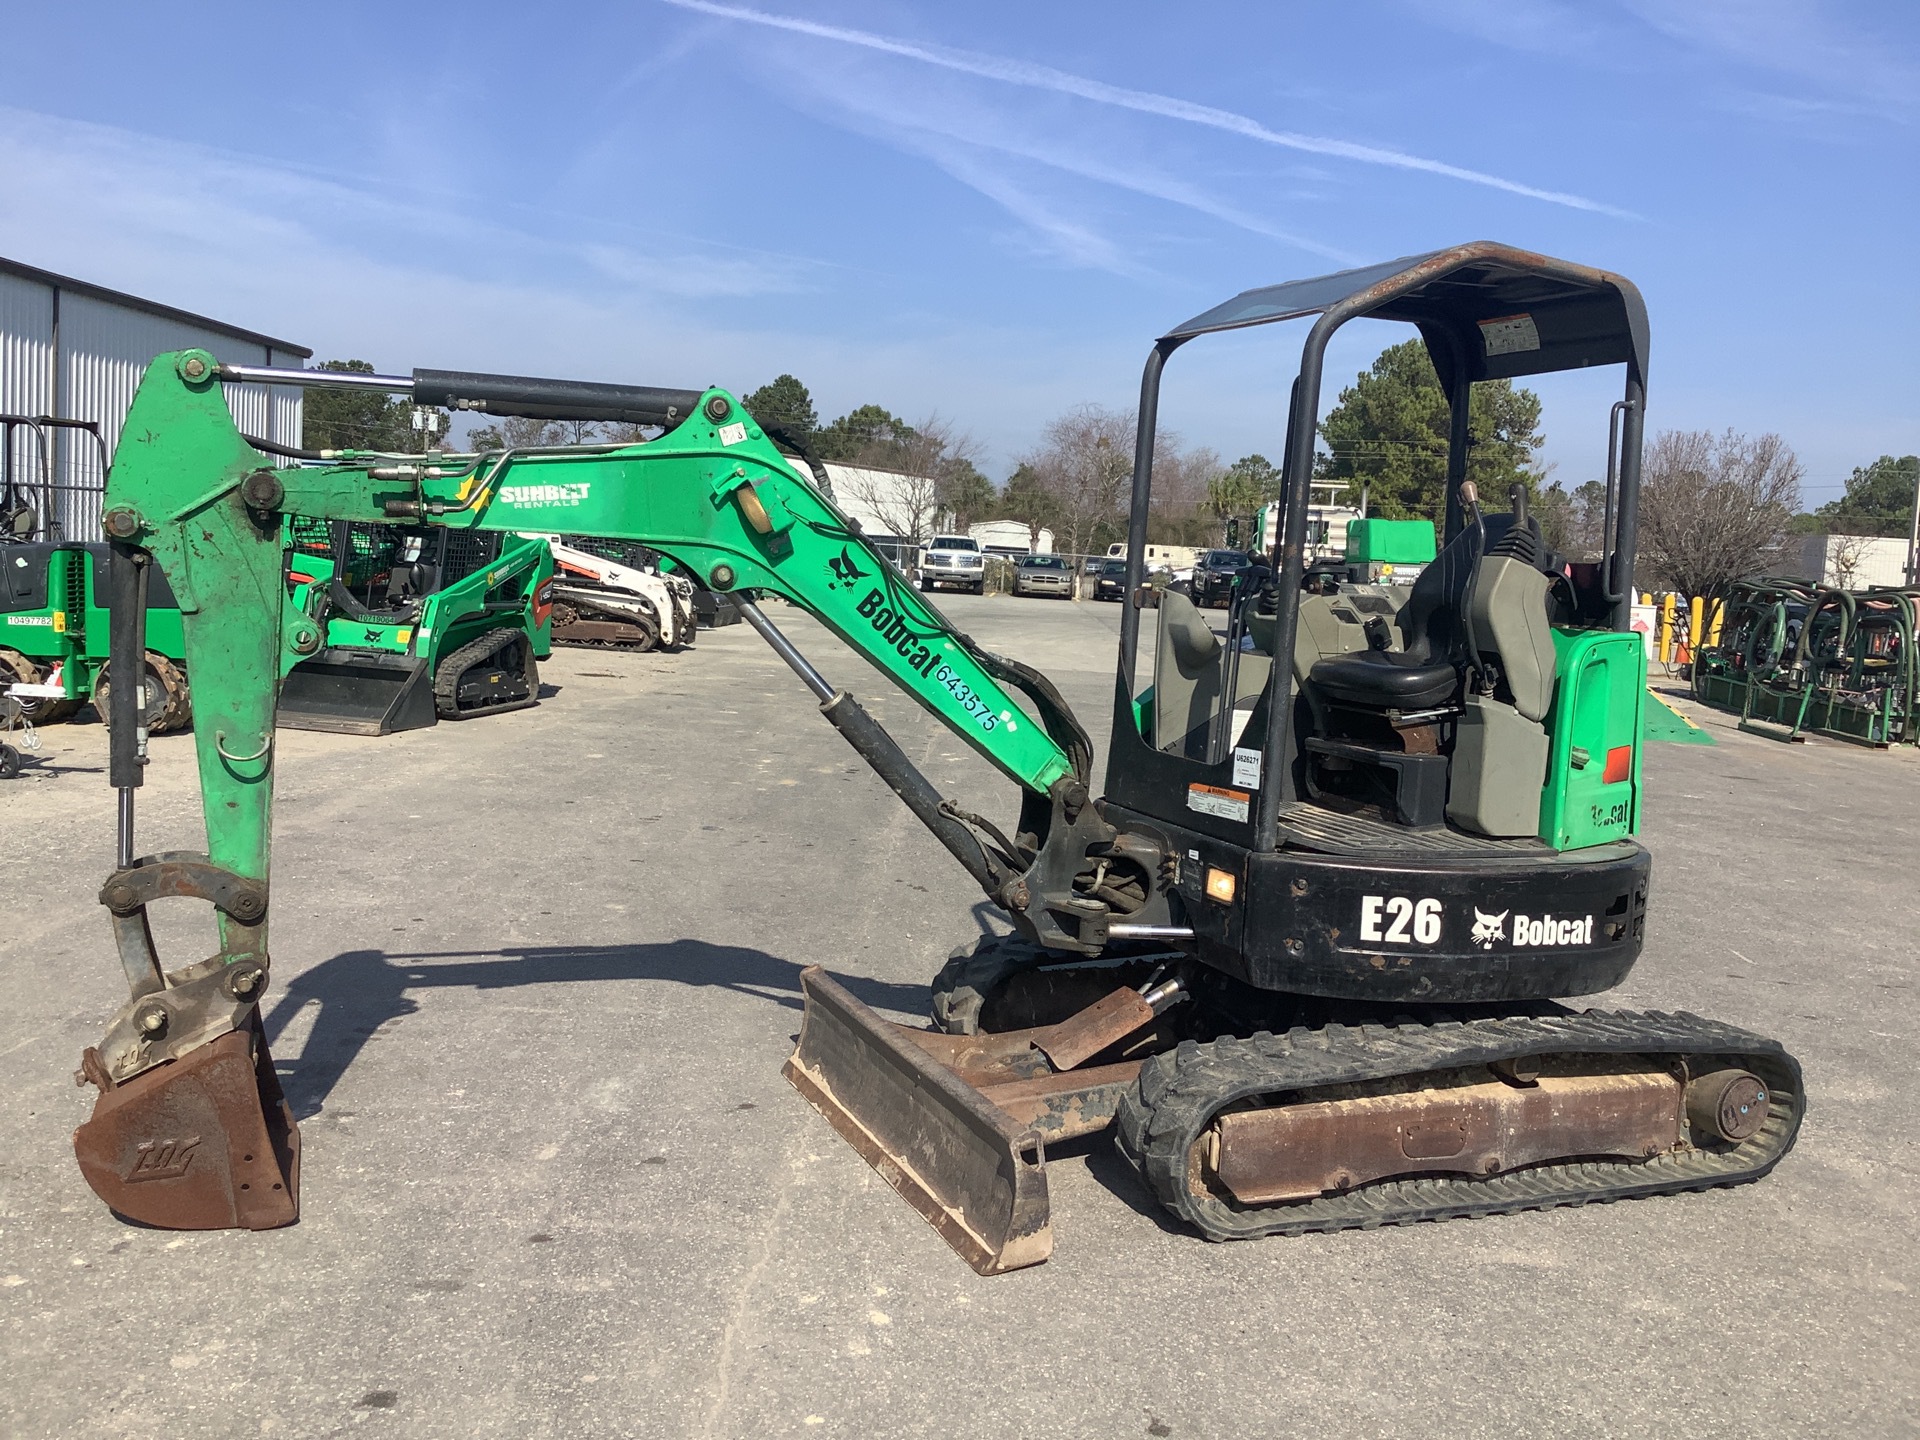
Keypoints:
(1186, 676)
(1432, 622)
(1510, 623)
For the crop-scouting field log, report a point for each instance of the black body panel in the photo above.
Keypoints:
(159, 593)
(23, 577)
(1403, 926)
(1147, 780)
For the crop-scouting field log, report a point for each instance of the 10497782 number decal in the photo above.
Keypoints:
(1397, 920)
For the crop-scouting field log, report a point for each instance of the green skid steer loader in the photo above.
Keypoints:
(421, 625)
(53, 637)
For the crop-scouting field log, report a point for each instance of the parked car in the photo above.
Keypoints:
(1109, 579)
(954, 560)
(1043, 575)
(1213, 575)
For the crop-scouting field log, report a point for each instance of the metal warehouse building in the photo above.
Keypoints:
(75, 352)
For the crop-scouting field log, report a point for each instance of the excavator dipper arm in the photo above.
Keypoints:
(190, 1130)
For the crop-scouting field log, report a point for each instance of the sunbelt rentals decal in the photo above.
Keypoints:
(565, 496)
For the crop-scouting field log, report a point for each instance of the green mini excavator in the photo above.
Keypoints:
(1304, 956)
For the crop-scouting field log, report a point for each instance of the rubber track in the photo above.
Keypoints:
(1179, 1093)
(446, 680)
(607, 612)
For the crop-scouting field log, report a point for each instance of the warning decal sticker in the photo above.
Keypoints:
(1212, 800)
(1509, 335)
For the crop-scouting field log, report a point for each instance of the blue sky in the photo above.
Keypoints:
(988, 211)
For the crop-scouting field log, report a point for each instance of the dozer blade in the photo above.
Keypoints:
(357, 692)
(977, 1175)
(205, 1142)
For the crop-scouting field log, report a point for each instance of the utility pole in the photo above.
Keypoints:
(1913, 530)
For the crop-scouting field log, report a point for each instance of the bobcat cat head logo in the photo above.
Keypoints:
(844, 570)
(1489, 928)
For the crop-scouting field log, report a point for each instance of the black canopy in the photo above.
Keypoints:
(1502, 312)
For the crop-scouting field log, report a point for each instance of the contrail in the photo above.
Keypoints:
(1045, 77)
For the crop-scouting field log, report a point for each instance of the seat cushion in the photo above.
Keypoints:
(1387, 679)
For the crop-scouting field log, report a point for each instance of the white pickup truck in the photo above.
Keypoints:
(953, 560)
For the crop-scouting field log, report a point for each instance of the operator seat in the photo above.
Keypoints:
(1484, 597)
(1427, 671)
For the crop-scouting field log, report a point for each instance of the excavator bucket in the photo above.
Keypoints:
(205, 1142)
(976, 1173)
(357, 692)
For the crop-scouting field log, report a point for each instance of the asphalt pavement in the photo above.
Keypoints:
(534, 980)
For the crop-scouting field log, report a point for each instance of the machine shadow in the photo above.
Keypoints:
(358, 991)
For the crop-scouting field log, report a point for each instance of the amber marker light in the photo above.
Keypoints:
(1220, 884)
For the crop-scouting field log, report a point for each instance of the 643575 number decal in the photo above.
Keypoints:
(979, 709)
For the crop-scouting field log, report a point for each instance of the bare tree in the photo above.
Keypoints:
(1846, 554)
(520, 432)
(1183, 481)
(1714, 508)
(1084, 462)
(908, 505)
(1573, 523)
(908, 474)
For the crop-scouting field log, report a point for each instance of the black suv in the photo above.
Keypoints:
(1213, 576)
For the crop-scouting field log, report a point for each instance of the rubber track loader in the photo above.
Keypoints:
(608, 595)
(1304, 958)
(418, 624)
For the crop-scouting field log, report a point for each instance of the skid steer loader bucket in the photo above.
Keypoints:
(357, 692)
(205, 1142)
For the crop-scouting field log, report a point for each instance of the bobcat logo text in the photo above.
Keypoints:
(904, 636)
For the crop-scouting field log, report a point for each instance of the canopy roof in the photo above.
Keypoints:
(1503, 312)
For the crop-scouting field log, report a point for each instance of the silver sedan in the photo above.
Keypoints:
(1043, 575)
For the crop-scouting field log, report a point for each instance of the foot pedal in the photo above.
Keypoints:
(204, 1142)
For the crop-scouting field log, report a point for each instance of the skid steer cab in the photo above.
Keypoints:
(420, 625)
(1305, 955)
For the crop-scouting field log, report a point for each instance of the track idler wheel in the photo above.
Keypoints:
(204, 1142)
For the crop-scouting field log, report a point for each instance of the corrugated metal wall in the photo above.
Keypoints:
(26, 377)
(104, 349)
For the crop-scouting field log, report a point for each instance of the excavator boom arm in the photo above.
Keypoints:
(189, 492)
